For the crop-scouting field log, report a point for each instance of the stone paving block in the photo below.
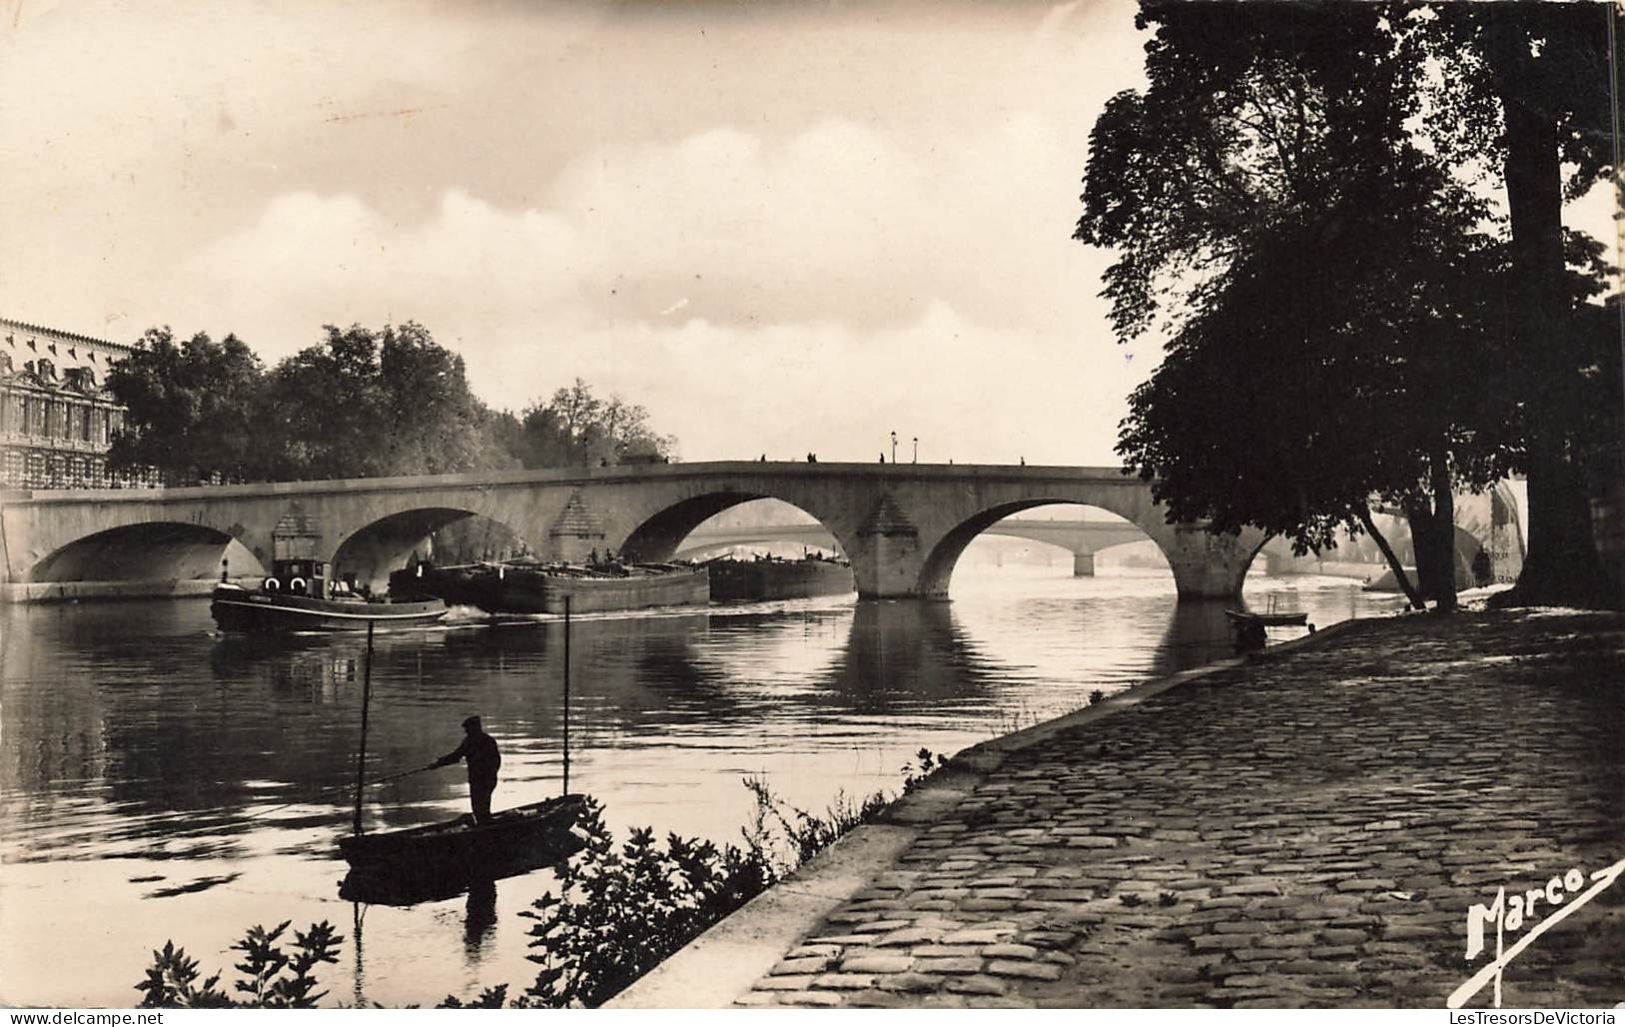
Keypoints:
(910, 936)
(1024, 969)
(1009, 951)
(879, 926)
(976, 984)
(796, 982)
(843, 981)
(1091, 841)
(944, 950)
(877, 964)
(985, 935)
(828, 999)
(949, 965)
(805, 965)
(911, 982)
(808, 951)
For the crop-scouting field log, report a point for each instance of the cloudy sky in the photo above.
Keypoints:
(780, 227)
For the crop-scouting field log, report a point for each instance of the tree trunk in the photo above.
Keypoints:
(1440, 543)
(1562, 566)
(1393, 561)
(1435, 578)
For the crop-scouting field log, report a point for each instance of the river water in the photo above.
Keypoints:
(145, 756)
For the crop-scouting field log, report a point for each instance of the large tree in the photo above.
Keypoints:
(576, 428)
(1319, 277)
(191, 407)
(1523, 89)
(368, 404)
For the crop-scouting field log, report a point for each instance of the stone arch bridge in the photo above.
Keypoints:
(903, 526)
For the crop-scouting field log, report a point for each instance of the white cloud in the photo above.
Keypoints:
(833, 284)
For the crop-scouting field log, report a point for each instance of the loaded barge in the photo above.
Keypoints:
(768, 577)
(529, 587)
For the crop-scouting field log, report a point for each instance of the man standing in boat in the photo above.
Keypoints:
(480, 750)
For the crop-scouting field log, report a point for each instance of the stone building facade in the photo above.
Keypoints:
(57, 418)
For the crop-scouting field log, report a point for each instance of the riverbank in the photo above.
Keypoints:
(1308, 828)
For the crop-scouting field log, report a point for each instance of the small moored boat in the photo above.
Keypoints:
(1268, 619)
(442, 859)
(297, 596)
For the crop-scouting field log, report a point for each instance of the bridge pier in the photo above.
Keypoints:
(1209, 566)
(1083, 565)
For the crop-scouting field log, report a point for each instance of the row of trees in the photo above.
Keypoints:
(1304, 201)
(361, 403)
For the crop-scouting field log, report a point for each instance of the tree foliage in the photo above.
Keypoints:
(361, 403)
(191, 407)
(575, 428)
(369, 404)
(1522, 94)
(1322, 280)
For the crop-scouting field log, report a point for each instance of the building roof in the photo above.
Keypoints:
(58, 334)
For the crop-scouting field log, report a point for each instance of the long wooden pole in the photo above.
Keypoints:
(566, 696)
(361, 756)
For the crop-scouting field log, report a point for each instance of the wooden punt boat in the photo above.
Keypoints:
(1271, 619)
(440, 860)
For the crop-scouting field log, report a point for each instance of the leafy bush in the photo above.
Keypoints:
(271, 978)
(621, 911)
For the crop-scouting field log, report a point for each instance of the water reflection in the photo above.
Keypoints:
(479, 920)
(191, 784)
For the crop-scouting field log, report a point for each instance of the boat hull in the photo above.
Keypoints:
(440, 860)
(241, 609)
(778, 579)
(528, 590)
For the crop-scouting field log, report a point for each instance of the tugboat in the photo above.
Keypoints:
(299, 596)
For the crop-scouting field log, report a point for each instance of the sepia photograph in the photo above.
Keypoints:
(811, 505)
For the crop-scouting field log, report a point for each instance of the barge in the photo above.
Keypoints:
(528, 587)
(772, 578)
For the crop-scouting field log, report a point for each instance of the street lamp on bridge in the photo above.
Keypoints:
(916, 449)
(894, 447)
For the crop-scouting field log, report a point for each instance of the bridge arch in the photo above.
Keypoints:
(149, 551)
(378, 547)
(1202, 564)
(658, 534)
(937, 570)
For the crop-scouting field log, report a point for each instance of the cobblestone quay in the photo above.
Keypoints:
(1306, 830)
